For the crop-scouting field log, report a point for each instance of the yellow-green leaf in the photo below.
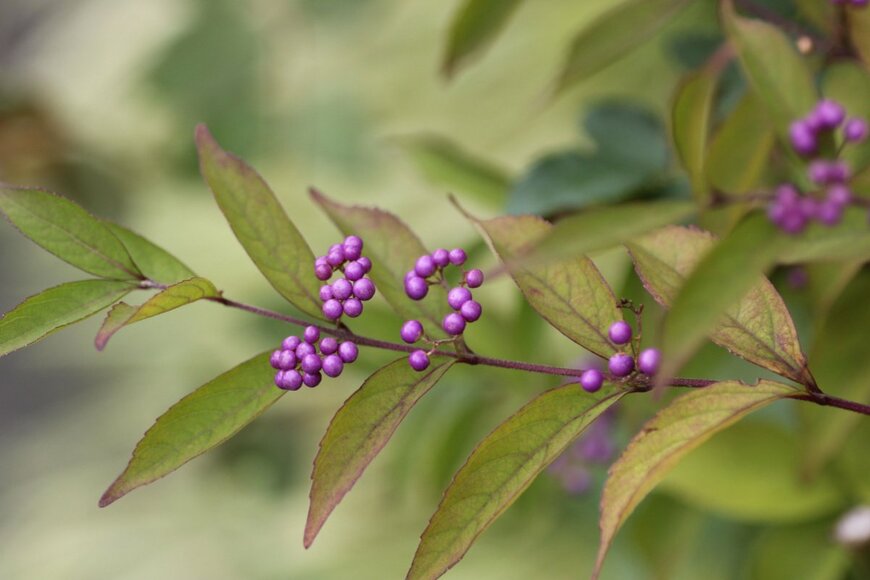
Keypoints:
(859, 31)
(690, 125)
(153, 261)
(474, 27)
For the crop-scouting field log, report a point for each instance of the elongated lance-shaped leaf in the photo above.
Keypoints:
(200, 421)
(67, 231)
(690, 125)
(504, 464)
(393, 249)
(154, 262)
(175, 296)
(613, 35)
(758, 327)
(474, 27)
(775, 70)
(52, 309)
(360, 429)
(570, 294)
(722, 277)
(677, 429)
(260, 224)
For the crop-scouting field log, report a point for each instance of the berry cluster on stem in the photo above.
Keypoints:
(298, 362)
(347, 294)
(623, 364)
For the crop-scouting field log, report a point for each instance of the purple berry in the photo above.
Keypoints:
(353, 307)
(591, 380)
(419, 360)
(830, 113)
(425, 266)
(416, 288)
(352, 252)
(323, 271)
(621, 364)
(311, 334)
(332, 309)
(342, 289)
(649, 360)
(332, 365)
(830, 213)
(288, 380)
(411, 331)
(809, 207)
(457, 256)
(793, 221)
(457, 297)
(274, 360)
(838, 172)
(453, 324)
(814, 122)
(328, 345)
(855, 130)
(803, 138)
(353, 271)
(819, 171)
(441, 257)
(620, 332)
(304, 350)
(335, 259)
(474, 278)
(326, 292)
(311, 379)
(787, 194)
(291, 342)
(311, 363)
(364, 289)
(410, 274)
(839, 194)
(471, 311)
(365, 263)
(320, 260)
(354, 241)
(348, 351)
(286, 360)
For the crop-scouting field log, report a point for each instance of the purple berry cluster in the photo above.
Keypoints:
(826, 117)
(428, 270)
(347, 294)
(622, 364)
(298, 362)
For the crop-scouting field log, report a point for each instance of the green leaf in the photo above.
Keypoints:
(859, 31)
(360, 429)
(775, 70)
(393, 249)
(504, 464)
(67, 231)
(682, 426)
(613, 35)
(690, 125)
(806, 552)
(52, 309)
(823, 15)
(848, 83)
(850, 240)
(200, 421)
(630, 133)
(474, 27)
(153, 261)
(175, 296)
(570, 294)
(758, 327)
(446, 165)
(260, 224)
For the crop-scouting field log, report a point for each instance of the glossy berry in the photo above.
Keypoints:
(288, 380)
(649, 360)
(474, 278)
(441, 257)
(335, 259)
(342, 289)
(591, 380)
(326, 292)
(416, 288)
(332, 309)
(620, 332)
(323, 271)
(311, 363)
(621, 365)
(352, 240)
(830, 113)
(457, 297)
(365, 263)
(353, 307)
(304, 350)
(332, 365)
(855, 130)
(311, 379)
(411, 332)
(311, 334)
(425, 266)
(291, 342)
(457, 256)
(364, 289)
(348, 351)
(328, 345)
(803, 138)
(286, 360)
(275, 359)
(353, 271)
(471, 311)
(453, 324)
(419, 360)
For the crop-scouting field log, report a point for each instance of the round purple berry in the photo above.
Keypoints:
(353, 307)
(342, 289)
(471, 311)
(291, 342)
(328, 345)
(411, 331)
(326, 292)
(311, 363)
(365, 263)
(839, 194)
(809, 207)
(591, 380)
(838, 172)
(364, 289)
(830, 213)
(332, 365)
(311, 334)
(416, 288)
(787, 193)
(354, 241)
(348, 351)
(335, 258)
(453, 324)
(457, 297)
(288, 380)
(323, 271)
(352, 252)
(419, 360)
(621, 364)
(304, 350)
(311, 379)
(793, 221)
(649, 360)
(855, 130)
(332, 309)
(819, 171)
(620, 332)
(457, 256)
(320, 260)
(830, 113)
(441, 257)
(803, 138)
(286, 360)
(353, 271)
(275, 359)
(425, 266)
(474, 278)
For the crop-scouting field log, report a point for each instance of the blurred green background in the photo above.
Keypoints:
(98, 100)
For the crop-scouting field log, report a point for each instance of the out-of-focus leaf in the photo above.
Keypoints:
(823, 15)
(200, 421)
(504, 464)
(393, 249)
(690, 125)
(859, 31)
(360, 429)
(613, 35)
(853, 462)
(67, 231)
(850, 240)
(775, 70)
(676, 430)
(446, 165)
(751, 473)
(153, 261)
(807, 552)
(848, 83)
(630, 133)
(474, 27)
(175, 296)
(758, 327)
(570, 294)
(269, 237)
(52, 309)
